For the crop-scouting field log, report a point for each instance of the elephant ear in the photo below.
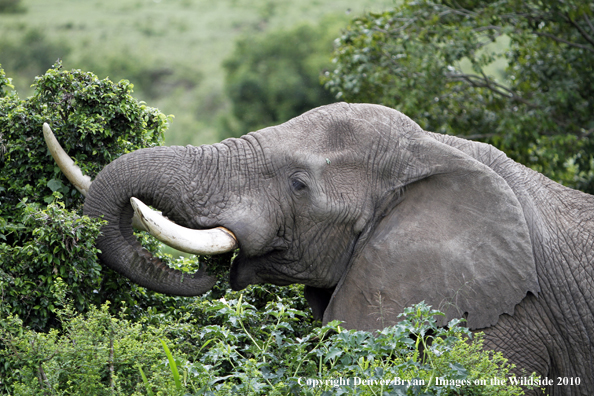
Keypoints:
(457, 239)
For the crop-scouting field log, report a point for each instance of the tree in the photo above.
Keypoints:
(12, 6)
(274, 77)
(433, 60)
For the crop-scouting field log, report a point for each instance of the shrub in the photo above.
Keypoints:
(253, 352)
(96, 121)
(95, 354)
(53, 242)
(258, 356)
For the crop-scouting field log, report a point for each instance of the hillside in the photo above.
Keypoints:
(171, 51)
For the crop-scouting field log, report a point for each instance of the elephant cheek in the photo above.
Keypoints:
(242, 274)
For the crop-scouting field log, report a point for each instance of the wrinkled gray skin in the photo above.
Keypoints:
(374, 214)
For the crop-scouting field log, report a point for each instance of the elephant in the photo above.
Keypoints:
(372, 214)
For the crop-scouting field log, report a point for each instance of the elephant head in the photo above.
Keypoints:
(357, 202)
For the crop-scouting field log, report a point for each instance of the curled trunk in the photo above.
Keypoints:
(157, 176)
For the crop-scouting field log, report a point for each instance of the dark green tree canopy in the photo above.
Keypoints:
(434, 61)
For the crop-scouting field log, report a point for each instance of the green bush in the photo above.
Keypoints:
(53, 242)
(94, 354)
(96, 121)
(259, 352)
(252, 352)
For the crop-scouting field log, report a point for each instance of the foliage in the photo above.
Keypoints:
(254, 353)
(171, 51)
(95, 120)
(5, 83)
(97, 354)
(256, 358)
(274, 77)
(434, 61)
(58, 244)
(12, 6)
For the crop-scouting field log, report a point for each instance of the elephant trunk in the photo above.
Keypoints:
(158, 177)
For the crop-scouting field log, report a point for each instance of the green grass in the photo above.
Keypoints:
(187, 38)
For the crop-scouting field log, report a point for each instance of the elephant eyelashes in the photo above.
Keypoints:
(298, 185)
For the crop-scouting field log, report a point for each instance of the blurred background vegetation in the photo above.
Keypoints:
(173, 52)
(516, 74)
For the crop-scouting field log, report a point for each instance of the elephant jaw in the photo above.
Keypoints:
(211, 241)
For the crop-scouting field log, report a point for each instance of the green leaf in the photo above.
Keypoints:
(459, 371)
(332, 353)
(145, 380)
(173, 366)
(55, 185)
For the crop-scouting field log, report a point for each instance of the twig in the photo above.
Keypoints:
(485, 82)
(111, 369)
(43, 382)
(589, 22)
(560, 40)
(584, 34)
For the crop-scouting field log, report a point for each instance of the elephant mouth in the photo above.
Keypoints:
(246, 268)
(263, 268)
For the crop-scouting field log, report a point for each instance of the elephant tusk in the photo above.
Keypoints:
(66, 164)
(212, 241)
(72, 171)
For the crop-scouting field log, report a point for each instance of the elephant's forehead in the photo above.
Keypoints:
(343, 126)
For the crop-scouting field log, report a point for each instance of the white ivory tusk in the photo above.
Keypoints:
(66, 164)
(212, 241)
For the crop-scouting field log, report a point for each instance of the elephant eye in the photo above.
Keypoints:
(297, 184)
